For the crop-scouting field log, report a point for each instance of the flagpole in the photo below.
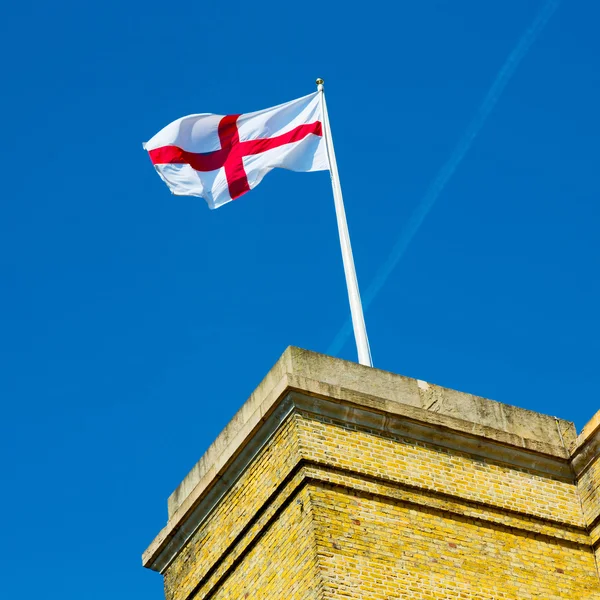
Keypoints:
(356, 311)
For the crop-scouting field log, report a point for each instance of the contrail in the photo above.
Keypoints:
(448, 169)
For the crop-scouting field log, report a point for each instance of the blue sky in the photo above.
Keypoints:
(134, 323)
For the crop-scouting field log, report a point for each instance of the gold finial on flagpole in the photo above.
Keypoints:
(319, 83)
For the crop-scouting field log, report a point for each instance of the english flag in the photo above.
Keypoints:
(221, 157)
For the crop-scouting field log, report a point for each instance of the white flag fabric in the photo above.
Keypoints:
(221, 157)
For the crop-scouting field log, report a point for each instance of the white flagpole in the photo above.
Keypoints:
(356, 311)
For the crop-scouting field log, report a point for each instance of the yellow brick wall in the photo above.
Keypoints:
(283, 564)
(588, 485)
(379, 549)
(329, 510)
(433, 468)
(589, 491)
(192, 570)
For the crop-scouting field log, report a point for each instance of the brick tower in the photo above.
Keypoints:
(338, 481)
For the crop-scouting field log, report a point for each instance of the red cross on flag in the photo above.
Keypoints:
(222, 157)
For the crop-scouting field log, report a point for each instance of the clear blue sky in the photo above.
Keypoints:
(134, 323)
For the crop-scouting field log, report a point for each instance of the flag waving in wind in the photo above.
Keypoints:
(222, 157)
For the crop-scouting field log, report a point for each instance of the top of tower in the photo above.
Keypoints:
(355, 394)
